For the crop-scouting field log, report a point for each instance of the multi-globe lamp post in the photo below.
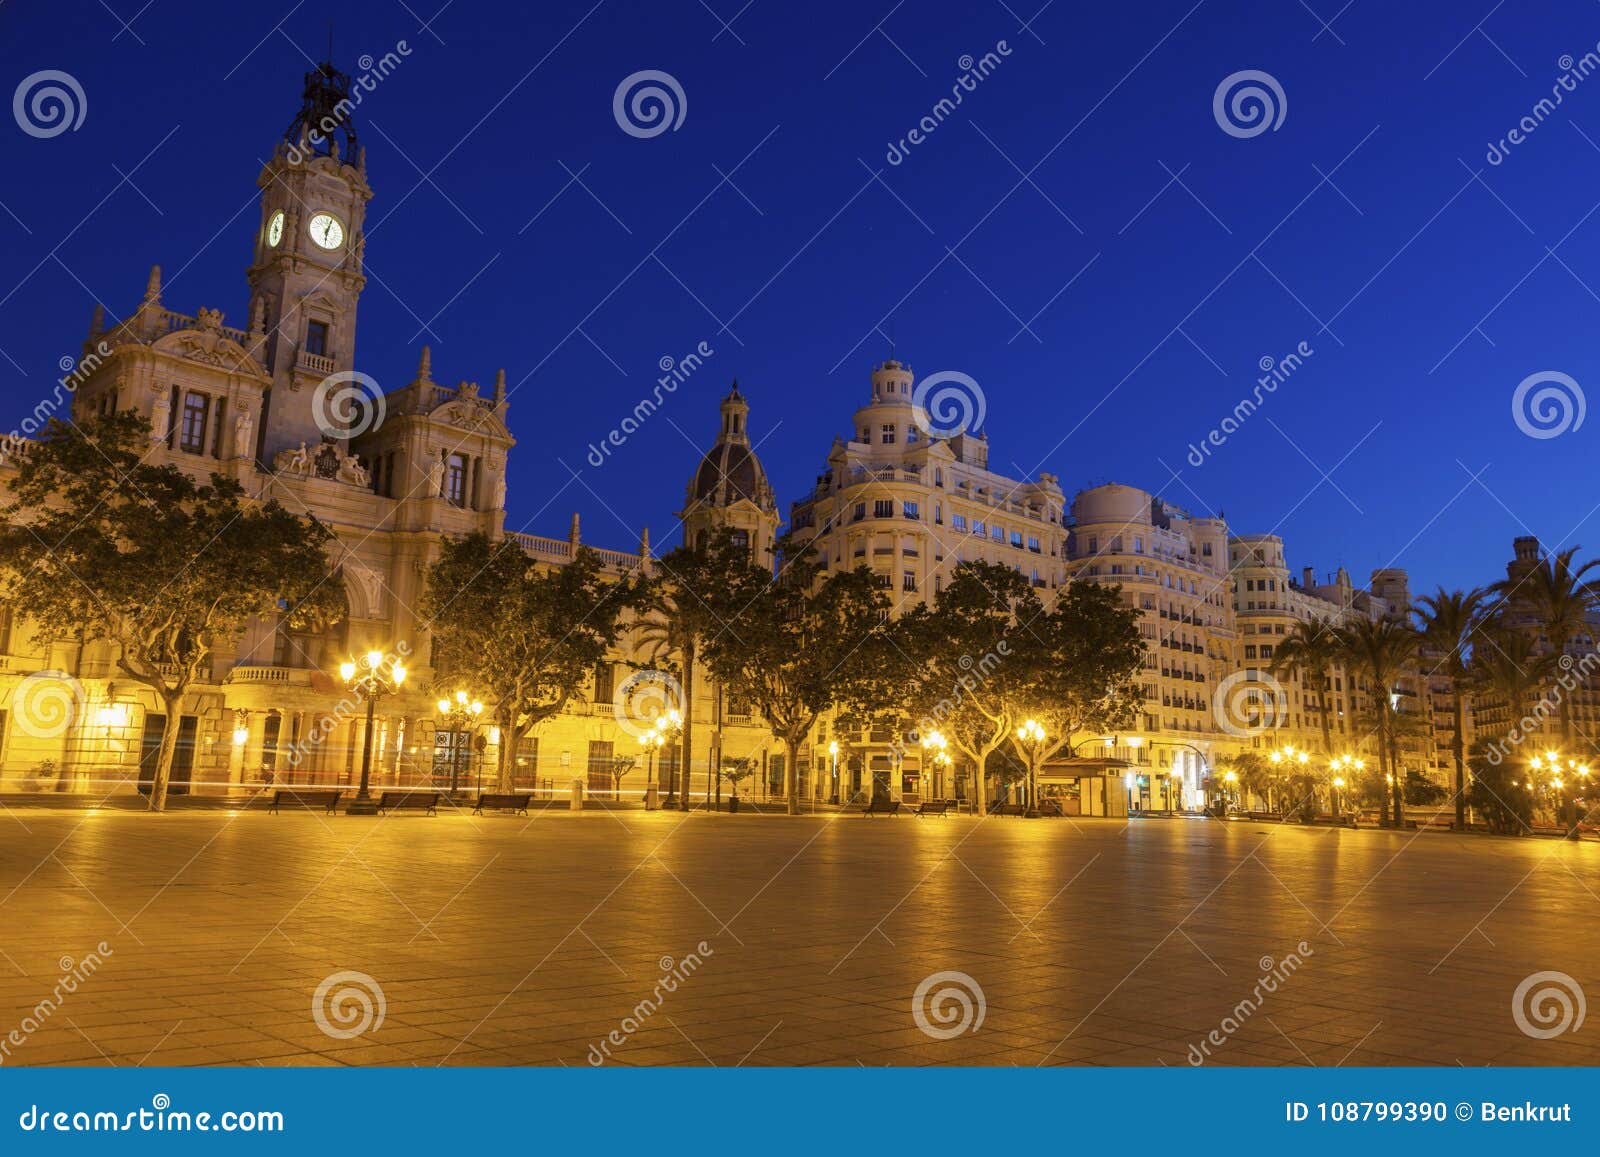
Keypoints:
(1343, 766)
(372, 676)
(459, 714)
(1561, 772)
(668, 726)
(1030, 735)
(935, 744)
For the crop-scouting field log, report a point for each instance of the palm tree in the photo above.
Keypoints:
(1447, 620)
(1558, 600)
(1311, 651)
(1511, 666)
(1380, 652)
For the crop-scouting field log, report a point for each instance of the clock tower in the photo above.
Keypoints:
(306, 276)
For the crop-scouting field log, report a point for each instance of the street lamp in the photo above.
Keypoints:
(460, 716)
(651, 742)
(374, 675)
(833, 755)
(669, 724)
(1030, 735)
(1554, 766)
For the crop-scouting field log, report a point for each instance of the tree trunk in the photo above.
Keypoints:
(1398, 787)
(686, 758)
(169, 745)
(506, 770)
(1327, 728)
(790, 789)
(980, 785)
(1461, 758)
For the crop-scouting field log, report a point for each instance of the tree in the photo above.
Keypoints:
(1078, 665)
(970, 679)
(104, 547)
(1504, 803)
(528, 635)
(621, 765)
(1255, 776)
(1448, 620)
(795, 648)
(1380, 652)
(681, 617)
(1558, 599)
(1311, 651)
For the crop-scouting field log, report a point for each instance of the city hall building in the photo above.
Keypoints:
(250, 401)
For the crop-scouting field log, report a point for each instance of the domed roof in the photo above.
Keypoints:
(729, 471)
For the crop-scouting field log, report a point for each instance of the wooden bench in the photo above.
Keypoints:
(424, 801)
(327, 800)
(881, 807)
(1008, 809)
(1263, 817)
(1423, 823)
(511, 801)
(933, 807)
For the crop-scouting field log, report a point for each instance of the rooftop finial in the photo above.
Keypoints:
(425, 365)
(152, 288)
(499, 387)
(572, 535)
(97, 320)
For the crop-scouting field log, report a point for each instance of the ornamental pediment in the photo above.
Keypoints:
(210, 346)
(471, 413)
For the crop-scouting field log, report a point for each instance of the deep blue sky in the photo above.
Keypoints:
(1397, 96)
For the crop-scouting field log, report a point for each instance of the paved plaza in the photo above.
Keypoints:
(502, 940)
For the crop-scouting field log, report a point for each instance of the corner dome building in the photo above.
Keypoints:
(729, 489)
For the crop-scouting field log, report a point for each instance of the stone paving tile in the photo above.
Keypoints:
(518, 943)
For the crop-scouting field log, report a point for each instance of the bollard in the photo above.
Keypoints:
(577, 795)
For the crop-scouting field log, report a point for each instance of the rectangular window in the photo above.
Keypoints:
(998, 533)
(861, 511)
(1016, 538)
(908, 581)
(886, 434)
(1138, 545)
(883, 508)
(909, 509)
(1033, 544)
(455, 479)
(192, 430)
(604, 682)
(317, 338)
(978, 527)
(958, 522)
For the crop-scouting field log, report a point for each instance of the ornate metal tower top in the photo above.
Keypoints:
(325, 110)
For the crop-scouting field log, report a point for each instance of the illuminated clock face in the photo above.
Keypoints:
(326, 231)
(275, 229)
